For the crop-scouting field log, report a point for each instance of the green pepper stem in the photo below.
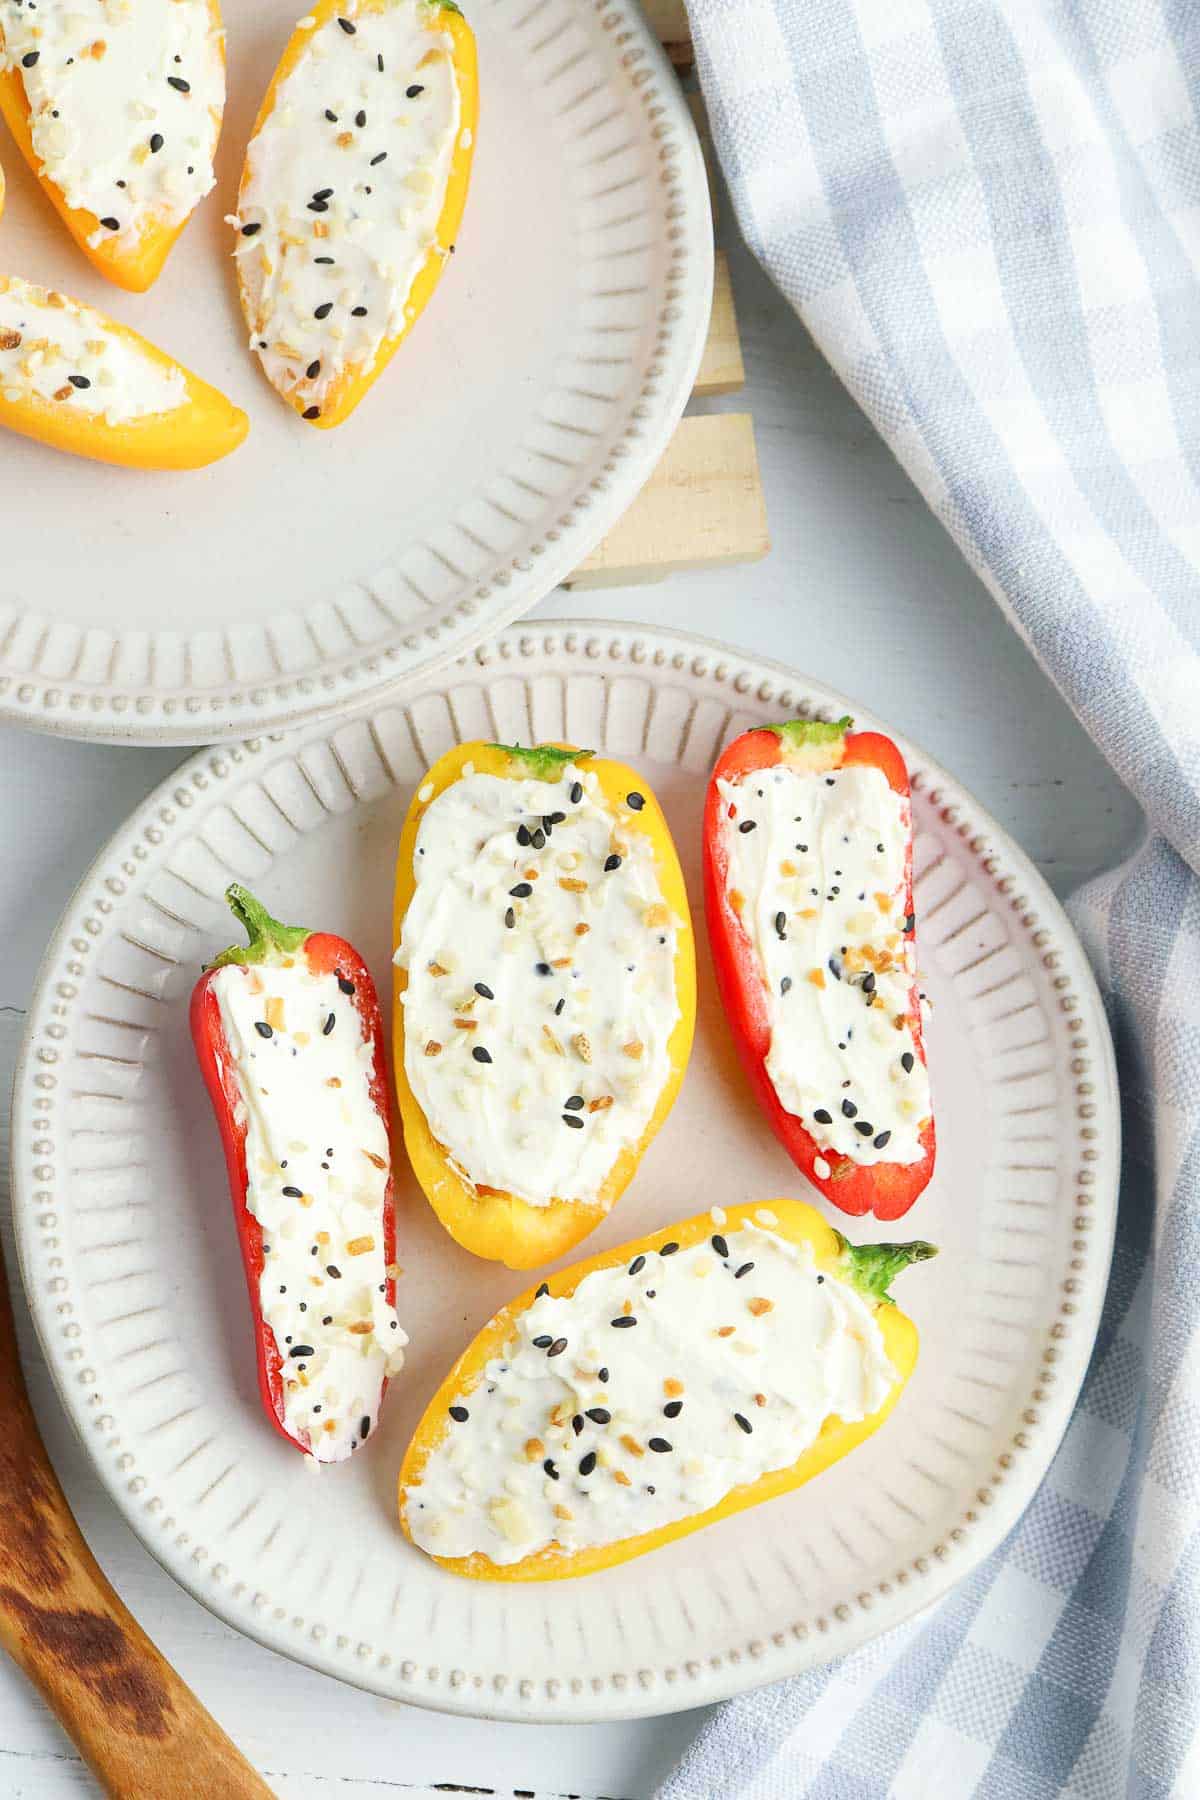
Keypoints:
(545, 762)
(269, 940)
(872, 1268)
(804, 734)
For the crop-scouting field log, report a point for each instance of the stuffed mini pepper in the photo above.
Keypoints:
(656, 1389)
(290, 1042)
(545, 985)
(808, 896)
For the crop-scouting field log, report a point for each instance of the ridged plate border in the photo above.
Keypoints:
(670, 698)
(630, 160)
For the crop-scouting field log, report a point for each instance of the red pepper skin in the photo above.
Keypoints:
(324, 954)
(886, 1189)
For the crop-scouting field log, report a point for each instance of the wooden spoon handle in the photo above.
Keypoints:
(141, 1729)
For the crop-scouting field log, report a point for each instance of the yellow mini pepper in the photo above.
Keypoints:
(869, 1267)
(490, 1222)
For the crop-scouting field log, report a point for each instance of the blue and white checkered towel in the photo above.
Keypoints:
(987, 212)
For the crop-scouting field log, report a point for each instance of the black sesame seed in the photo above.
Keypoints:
(820, 1281)
(311, 412)
(781, 924)
(29, 60)
(637, 1265)
(333, 1272)
(849, 1109)
(542, 1291)
(748, 825)
(672, 1409)
(623, 1323)
(910, 921)
(522, 890)
(822, 1117)
(364, 1426)
(323, 311)
(347, 27)
(559, 1008)
(481, 1055)
(379, 62)
(720, 1247)
(743, 1421)
(550, 1469)
(323, 194)
(346, 985)
(359, 312)
(484, 991)
(263, 1029)
(668, 1249)
(412, 92)
(79, 381)
(318, 206)
(906, 1062)
(882, 1140)
(510, 918)
(744, 1270)
(179, 84)
(541, 968)
(785, 984)
(659, 1444)
(587, 1463)
(328, 1319)
(331, 116)
(523, 836)
(576, 792)
(577, 1424)
(111, 224)
(868, 984)
(602, 1375)
(301, 1350)
(360, 119)
(294, 1193)
(636, 801)
(376, 160)
(557, 1347)
(575, 1103)
(542, 1343)
(573, 1120)
(459, 1414)
(599, 1415)
(860, 1125)
(538, 839)
(611, 863)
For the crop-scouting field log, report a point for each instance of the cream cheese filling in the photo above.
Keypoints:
(541, 982)
(59, 351)
(648, 1396)
(317, 1162)
(817, 861)
(344, 187)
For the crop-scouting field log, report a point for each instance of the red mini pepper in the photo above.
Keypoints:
(282, 947)
(887, 1189)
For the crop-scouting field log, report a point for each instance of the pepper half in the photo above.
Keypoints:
(869, 1267)
(887, 1189)
(202, 429)
(283, 946)
(134, 266)
(491, 1222)
(353, 384)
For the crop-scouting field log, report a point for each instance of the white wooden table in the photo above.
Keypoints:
(862, 590)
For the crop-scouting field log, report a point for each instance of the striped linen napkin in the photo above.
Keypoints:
(987, 213)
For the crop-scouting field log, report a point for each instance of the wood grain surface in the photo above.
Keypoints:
(144, 1733)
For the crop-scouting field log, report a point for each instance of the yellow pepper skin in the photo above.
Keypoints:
(869, 1266)
(444, 15)
(203, 431)
(134, 267)
(491, 1223)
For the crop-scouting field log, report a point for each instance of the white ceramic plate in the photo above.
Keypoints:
(130, 1261)
(311, 570)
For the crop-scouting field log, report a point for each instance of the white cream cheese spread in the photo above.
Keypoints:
(125, 100)
(817, 862)
(56, 350)
(344, 186)
(541, 982)
(647, 1397)
(317, 1162)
